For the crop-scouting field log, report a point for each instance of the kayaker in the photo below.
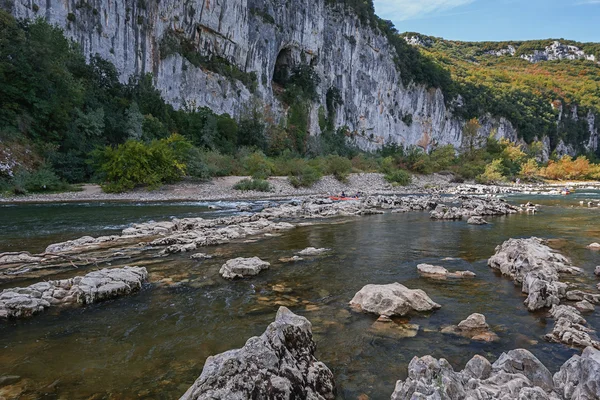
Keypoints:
(343, 194)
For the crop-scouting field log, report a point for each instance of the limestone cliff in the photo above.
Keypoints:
(258, 37)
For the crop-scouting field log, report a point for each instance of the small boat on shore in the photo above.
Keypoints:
(337, 198)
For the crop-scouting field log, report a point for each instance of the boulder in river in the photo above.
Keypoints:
(474, 328)
(243, 267)
(392, 299)
(279, 364)
(578, 295)
(584, 306)
(517, 374)
(597, 271)
(437, 272)
(594, 246)
(91, 288)
(201, 256)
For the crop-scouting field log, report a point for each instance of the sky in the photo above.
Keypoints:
(497, 20)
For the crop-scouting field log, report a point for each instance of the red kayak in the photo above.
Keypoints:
(336, 198)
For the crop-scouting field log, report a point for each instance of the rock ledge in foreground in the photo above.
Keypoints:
(91, 288)
(517, 374)
(279, 364)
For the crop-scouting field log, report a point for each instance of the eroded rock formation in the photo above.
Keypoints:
(392, 299)
(279, 364)
(91, 288)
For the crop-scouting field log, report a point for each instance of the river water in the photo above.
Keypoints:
(153, 344)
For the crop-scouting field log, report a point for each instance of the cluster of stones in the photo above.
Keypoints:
(91, 288)
(471, 208)
(536, 267)
(517, 374)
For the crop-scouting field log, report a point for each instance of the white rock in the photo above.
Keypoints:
(312, 251)
(392, 299)
(243, 267)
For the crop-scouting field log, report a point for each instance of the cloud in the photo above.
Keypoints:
(401, 10)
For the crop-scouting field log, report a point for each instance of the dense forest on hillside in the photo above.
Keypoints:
(529, 95)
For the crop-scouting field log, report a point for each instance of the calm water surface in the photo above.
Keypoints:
(153, 344)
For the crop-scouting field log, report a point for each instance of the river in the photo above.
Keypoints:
(153, 344)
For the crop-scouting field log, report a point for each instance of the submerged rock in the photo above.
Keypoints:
(476, 220)
(434, 271)
(597, 271)
(311, 251)
(474, 328)
(291, 259)
(279, 364)
(392, 299)
(201, 256)
(517, 374)
(243, 267)
(594, 246)
(91, 288)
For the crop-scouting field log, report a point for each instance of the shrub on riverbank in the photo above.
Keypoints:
(135, 163)
(257, 185)
(399, 177)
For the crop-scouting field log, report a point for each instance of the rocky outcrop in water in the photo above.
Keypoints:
(91, 288)
(279, 364)
(189, 234)
(517, 374)
(392, 299)
(473, 207)
(437, 272)
(476, 220)
(571, 328)
(243, 267)
(534, 265)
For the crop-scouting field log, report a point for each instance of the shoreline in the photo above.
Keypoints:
(221, 189)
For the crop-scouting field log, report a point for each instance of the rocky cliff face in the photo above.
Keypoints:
(259, 37)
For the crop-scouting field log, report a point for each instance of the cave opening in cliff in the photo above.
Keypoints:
(283, 67)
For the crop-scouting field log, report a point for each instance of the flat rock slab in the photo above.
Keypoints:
(312, 251)
(243, 267)
(392, 299)
(437, 272)
(91, 288)
(279, 364)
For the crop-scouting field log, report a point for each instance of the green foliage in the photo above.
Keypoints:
(339, 167)
(399, 177)
(135, 163)
(42, 180)
(257, 185)
(300, 173)
(492, 174)
(258, 166)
